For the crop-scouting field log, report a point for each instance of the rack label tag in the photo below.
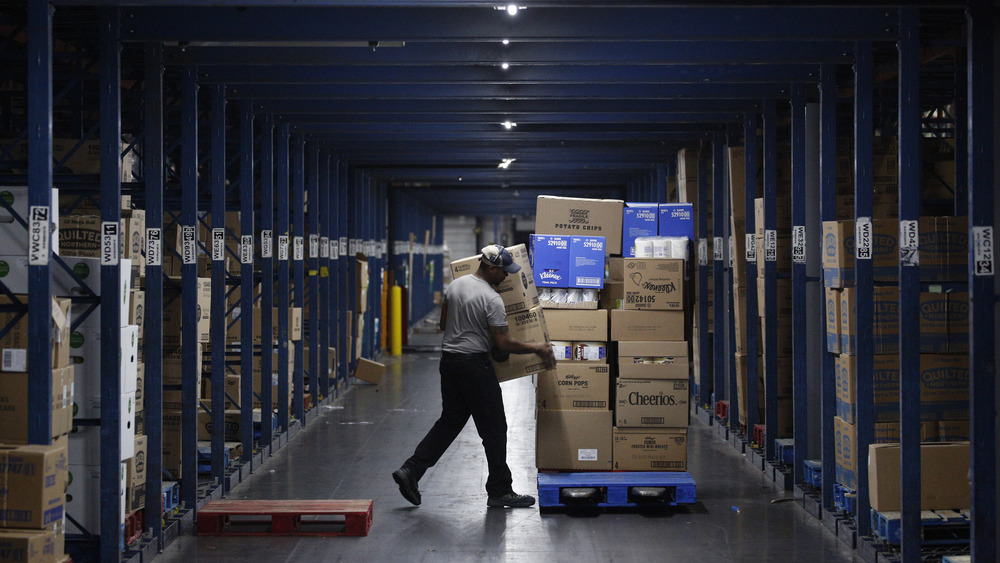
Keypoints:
(909, 242)
(246, 249)
(324, 247)
(283, 247)
(109, 243)
(314, 246)
(266, 243)
(297, 248)
(863, 238)
(189, 254)
(334, 249)
(218, 245)
(703, 252)
(343, 246)
(770, 245)
(717, 251)
(751, 248)
(39, 239)
(799, 244)
(154, 247)
(983, 248)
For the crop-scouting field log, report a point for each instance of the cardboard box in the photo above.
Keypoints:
(944, 476)
(839, 251)
(661, 403)
(135, 477)
(232, 390)
(644, 449)
(31, 546)
(572, 386)
(84, 498)
(14, 420)
(638, 220)
(578, 216)
(577, 324)
(367, 370)
(653, 360)
(173, 368)
(15, 235)
(232, 421)
(550, 260)
(528, 327)
(848, 332)
(845, 384)
(14, 344)
(586, 262)
(952, 431)
(612, 295)
(845, 455)
(654, 284)
(518, 291)
(832, 296)
(172, 451)
(958, 322)
(675, 220)
(783, 297)
(137, 309)
(86, 345)
(573, 440)
(647, 325)
(34, 485)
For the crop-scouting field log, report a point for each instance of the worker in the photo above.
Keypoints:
(473, 314)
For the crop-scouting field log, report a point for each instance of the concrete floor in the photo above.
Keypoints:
(350, 450)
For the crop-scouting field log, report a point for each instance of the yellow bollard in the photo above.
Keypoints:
(396, 321)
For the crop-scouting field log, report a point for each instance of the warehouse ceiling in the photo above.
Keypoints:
(583, 98)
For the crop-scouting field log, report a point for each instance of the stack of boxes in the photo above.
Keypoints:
(687, 192)
(618, 397)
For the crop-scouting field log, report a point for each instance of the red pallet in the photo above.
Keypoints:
(758, 433)
(285, 518)
(133, 527)
(722, 409)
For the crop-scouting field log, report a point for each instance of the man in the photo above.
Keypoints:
(472, 314)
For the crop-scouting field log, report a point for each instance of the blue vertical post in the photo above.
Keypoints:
(800, 342)
(982, 288)
(266, 273)
(283, 163)
(828, 212)
(706, 391)
(343, 273)
(322, 203)
(770, 278)
(660, 185)
(40, 201)
(719, 221)
(751, 166)
(217, 324)
(310, 330)
(298, 258)
(247, 282)
(863, 272)
(111, 289)
(153, 175)
(909, 280)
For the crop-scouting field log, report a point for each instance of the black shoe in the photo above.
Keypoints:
(408, 485)
(512, 500)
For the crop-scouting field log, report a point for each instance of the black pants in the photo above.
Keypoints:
(469, 387)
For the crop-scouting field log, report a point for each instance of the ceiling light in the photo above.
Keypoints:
(512, 9)
(505, 66)
(506, 41)
(505, 162)
(509, 124)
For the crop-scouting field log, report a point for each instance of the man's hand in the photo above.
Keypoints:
(544, 351)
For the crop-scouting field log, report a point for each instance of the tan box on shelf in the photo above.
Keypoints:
(647, 325)
(648, 449)
(14, 421)
(653, 359)
(573, 439)
(654, 284)
(580, 216)
(661, 403)
(944, 476)
(135, 477)
(577, 325)
(34, 484)
(14, 344)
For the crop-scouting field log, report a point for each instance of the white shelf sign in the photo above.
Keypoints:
(314, 246)
(283, 247)
(751, 239)
(324, 247)
(703, 252)
(297, 248)
(39, 239)
(218, 245)
(109, 243)
(189, 247)
(267, 243)
(717, 251)
(799, 244)
(983, 248)
(770, 245)
(246, 249)
(909, 242)
(154, 247)
(863, 238)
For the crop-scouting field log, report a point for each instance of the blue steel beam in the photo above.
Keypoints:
(310, 328)
(751, 322)
(111, 272)
(267, 274)
(982, 277)
(719, 220)
(261, 25)
(153, 176)
(247, 281)
(344, 279)
(285, 108)
(800, 343)
(496, 130)
(497, 118)
(40, 201)
(322, 301)
(705, 386)
(770, 278)
(283, 163)
(828, 212)
(298, 269)
(217, 324)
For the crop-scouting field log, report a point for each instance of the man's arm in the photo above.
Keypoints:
(444, 314)
(503, 340)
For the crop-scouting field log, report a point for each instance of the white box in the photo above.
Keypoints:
(83, 498)
(85, 352)
(15, 235)
(85, 441)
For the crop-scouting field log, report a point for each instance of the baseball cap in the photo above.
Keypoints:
(498, 256)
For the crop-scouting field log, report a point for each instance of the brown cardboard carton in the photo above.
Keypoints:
(30, 546)
(172, 442)
(14, 419)
(232, 422)
(14, 344)
(653, 360)
(648, 449)
(944, 476)
(613, 294)
(173, 367)
(832, 296)
(661, 403)
(518, 290)
(647, 325)
(573, 439)
(232, 389)
(35, 485)
(528, 327)
(173, 311)
(572, 386)
(655, 284)
(579, 216)
(577, 325)
(369, 371)
(845, 440)
(135, 477)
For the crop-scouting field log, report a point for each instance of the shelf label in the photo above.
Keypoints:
(314, 246)
(39, 237)
(751, 239)
(324, 247)
(983, 245)
(266, 243)
(703, 252)
(909, 242)
(863, 238)
(343, 246)
(109, 243)
(799, 244)
(770, 245)
(298, 249)
(189, 248)
(154, 247)
(717, 251)
(334, 249)
(218, 245)
(246, 249)
(283, 247)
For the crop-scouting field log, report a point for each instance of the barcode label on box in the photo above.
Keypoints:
(590, 404)
(588, 281)
(283, 247)
(154, 247)
(246, 249)
(651, 420)
(218, 245)
(586, 454)
(14, 359)
(666, 465)
(38, 235)
(266, 243)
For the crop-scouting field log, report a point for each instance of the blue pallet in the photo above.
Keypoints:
(784, 450)
(615, 487)
(812, 472)
(170, 493)
(938, 527)
(843, 498)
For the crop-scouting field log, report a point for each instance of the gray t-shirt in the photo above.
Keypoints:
(473, 307)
